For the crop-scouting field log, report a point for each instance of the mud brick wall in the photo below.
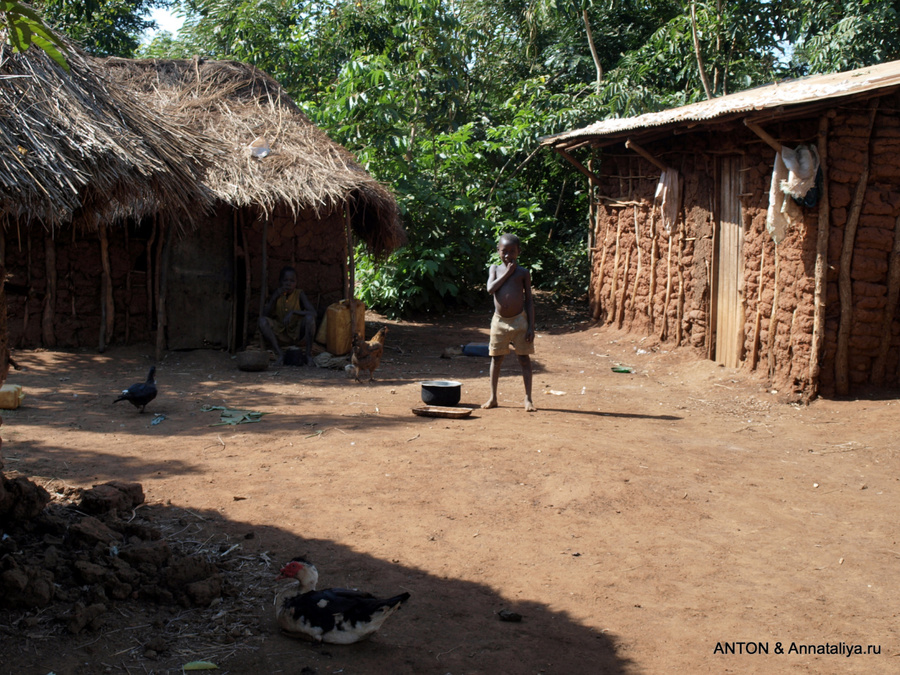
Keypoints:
(311, 243)
(631, 273)
(77, 307)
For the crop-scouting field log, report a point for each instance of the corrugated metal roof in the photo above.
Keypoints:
(810, 89)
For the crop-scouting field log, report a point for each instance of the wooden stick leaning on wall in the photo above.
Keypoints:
(48, 319)
(248, 275)
(637, 243)
(754, 349)
(773, 322)
(264, 264)
(351, 270)
(107, 306)
(654, 254)
(664, 332)
(679, 303)
(151, 289)
(162, 319)
(233, 318)
(880, 364)
(597, 307)
(845, 283)
(28, 279)
(624, 287)
(821, 269)
(615, 272)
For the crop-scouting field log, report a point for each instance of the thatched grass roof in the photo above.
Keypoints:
(236, 104)
(73, 144)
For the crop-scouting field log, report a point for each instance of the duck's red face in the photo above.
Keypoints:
(291, 570)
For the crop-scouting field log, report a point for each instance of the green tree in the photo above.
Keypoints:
(830, 36)
(101, 27)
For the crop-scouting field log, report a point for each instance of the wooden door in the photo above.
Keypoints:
(729, 246)
(200, 288)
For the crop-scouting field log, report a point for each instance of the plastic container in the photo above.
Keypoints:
(338, 328)
(476, 349)
(11, 396)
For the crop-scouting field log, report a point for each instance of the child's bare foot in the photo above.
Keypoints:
(529, 406)
(492, 403)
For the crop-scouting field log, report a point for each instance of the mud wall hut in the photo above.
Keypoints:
(285, 194)
(689, 205)
(79, 157)
(183, 264)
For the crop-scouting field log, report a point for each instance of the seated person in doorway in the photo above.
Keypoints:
(288, 317)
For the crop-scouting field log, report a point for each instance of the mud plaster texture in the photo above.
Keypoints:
(313, 243)
(621, 295)
(635, 521)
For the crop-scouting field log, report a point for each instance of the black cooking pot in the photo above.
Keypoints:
(441, 392)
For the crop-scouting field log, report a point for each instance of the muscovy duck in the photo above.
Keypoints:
(337, 615)
(141, 393)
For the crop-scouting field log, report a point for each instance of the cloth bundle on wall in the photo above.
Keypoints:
(793, 182)
(668, 197)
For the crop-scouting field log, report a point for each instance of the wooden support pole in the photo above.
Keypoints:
(48, 335)
(654, 252)
(756, 129)
(615, 272)
(28, 279)
(592, 177)
(631, 145)
(679, 306)
(773, 323)
(754, 349)
(351, 260)
(664, 332)
(235, 254)
(637, 243)
(107, 305)
(821, 269)
(263, 267)
(162, 319)
(624, 287)
(845, 283)
(880, 364)
(597, 304)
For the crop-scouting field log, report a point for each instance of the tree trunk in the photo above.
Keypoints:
(594, 55)
(700, 67)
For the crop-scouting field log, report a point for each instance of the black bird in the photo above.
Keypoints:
(141, 393)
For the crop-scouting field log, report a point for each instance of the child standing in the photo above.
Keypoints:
(513, 321)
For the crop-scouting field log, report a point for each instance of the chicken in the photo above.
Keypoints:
(336, 615)
(141, 393)
(367, 355)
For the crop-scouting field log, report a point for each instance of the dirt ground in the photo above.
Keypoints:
(645, 522)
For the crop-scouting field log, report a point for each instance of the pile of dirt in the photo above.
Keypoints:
(93, 555)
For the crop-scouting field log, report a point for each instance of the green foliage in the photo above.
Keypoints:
(447, 102)
(830, 36)
(101, 27)
(24, 27)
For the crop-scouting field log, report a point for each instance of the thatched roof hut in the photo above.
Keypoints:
(286, 194)
(297, 165)
(75, 143)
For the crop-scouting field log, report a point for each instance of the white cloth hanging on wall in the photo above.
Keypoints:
(668, 197)
(783, 211)
(802, 164)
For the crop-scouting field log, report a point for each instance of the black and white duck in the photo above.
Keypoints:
(336, 615)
